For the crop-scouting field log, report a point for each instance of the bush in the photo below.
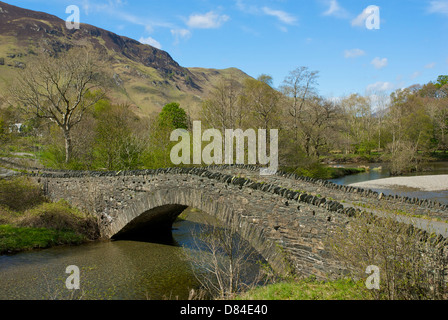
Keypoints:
(59, 216)
(412, 263)
(19, 194)
(223, 263)
(7, 216)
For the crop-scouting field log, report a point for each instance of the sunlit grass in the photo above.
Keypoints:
(309, 290)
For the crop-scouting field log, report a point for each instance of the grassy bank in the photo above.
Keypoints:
(28, 220)
(14, 239)
(322, 172)
(309, 290)
(351, 158)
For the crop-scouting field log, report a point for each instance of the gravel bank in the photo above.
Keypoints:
(423, 183)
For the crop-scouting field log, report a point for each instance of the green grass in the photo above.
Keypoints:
(309, 290)
(28, 220)
(352, 158)
(14, 239)
(322, 172)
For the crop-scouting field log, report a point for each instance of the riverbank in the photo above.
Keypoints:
(324, 172)
(423, 183)
(18, 239)
(29, 221)
(374, 157)
(309, 289)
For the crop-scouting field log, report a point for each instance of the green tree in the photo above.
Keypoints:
(441, 81)
(173, 116)
(119, 144)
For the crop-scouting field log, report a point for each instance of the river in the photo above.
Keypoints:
(113, 270)
(109, 270)
(381, 171)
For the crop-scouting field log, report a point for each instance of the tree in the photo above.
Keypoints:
(223, 109)
(412, 263)
(119, 142)
(358, 113)
(441, 81)
(61, 89)
(262, 102)
(298, 86)
(174, 116)
(171, 118)
(223, 263)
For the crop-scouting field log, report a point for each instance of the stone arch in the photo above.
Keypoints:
(157, 210)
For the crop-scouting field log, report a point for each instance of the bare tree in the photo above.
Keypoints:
(223, 109)
(223, 263)
(262, 101)
(60, 89)
(299, 85)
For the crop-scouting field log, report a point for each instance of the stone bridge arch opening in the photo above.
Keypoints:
(150, 217)
(152, 225)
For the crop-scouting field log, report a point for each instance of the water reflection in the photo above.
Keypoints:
(109, 270)
(122, 269)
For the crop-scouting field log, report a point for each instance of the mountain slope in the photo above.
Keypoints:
(143, 76)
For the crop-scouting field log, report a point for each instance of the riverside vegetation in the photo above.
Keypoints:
(29, 221)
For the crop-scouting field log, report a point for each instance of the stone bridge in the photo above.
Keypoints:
(286, 218)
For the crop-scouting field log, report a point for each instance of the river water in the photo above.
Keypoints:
(129, 270)
(381, 171)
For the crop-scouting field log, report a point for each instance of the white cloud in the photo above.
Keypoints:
(380, 86)
(430, 65)
(281, 15)
(210, 20)
(438, 6)
(242, 6)
(360, 20)
(152, 42)
(379, 63)
(354, 53)
(180, 34)
(335, 10)
(183, 33)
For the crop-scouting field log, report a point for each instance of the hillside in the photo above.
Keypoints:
(143, 76)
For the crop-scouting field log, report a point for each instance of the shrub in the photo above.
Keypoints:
(412, 263)
(60, 216)
(19, 194)
(6, 216)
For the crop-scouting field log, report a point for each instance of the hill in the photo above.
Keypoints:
(144, 76)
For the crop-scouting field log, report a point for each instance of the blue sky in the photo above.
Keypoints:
(276, 36)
